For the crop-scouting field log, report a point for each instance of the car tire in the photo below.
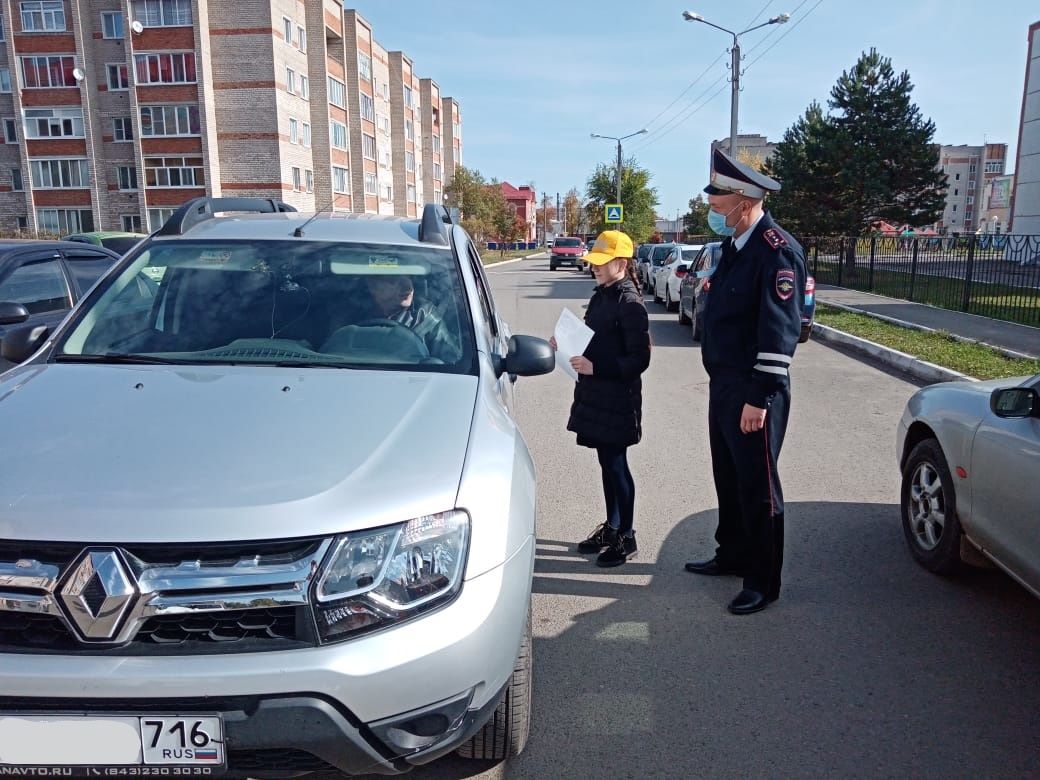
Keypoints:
(505, 735)
(928, 506)
(683, 319)
(669, 304)
(695, 329)
(552, 266)
(806, 332)
(657, 298)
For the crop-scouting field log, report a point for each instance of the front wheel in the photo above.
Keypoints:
(505, 735)
(683, 319)
(929, 509)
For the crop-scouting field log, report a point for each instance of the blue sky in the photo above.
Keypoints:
(534, 79)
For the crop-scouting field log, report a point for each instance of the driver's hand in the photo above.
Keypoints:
(552, 343)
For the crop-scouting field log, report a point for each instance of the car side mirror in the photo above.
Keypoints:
(1015, 402)
(682, 268)
(12, 313)
(527, 356)
(21, 344)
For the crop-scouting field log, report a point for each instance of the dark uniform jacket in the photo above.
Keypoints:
(608, 406)
(753, 312)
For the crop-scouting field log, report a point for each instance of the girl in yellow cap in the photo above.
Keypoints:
(608, 397)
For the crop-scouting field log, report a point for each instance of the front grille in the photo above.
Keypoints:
(20, 632)
(218, 627)
(276, 761)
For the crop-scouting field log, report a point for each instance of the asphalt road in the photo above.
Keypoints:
(868, 666)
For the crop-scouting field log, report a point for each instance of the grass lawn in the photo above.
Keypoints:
(971, 359)
(492, 256)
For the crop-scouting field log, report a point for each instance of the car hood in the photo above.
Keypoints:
(114, 454)
(984, 387)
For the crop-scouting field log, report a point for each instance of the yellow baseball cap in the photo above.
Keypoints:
(609, 244)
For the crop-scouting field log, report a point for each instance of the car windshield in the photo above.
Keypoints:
(573, 242)
(287, 303)
(690, 254)
(120, 244)
(661, 254)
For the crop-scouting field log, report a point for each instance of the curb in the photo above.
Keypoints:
(915, 326)
(921, 369)
(509, 262)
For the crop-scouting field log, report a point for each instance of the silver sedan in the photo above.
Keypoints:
(970, 458)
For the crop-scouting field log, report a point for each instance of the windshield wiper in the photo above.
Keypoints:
(119, 357)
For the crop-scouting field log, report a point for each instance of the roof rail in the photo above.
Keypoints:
(431, 228)
(198, 210)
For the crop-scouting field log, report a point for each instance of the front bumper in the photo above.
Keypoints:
(570, 259)
(325, 703)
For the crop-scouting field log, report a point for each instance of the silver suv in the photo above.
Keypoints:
(264, 508)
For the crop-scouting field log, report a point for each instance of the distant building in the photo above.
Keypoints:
(523, 200)
(969, 171)
(996, 204)
(756, 149)
(669, 229)
(1025, 199)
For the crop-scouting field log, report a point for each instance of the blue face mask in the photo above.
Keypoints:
(717, 222)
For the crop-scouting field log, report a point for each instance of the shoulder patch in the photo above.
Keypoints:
(774, 238)
(785, 283)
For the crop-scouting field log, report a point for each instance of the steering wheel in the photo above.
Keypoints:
(382, 322)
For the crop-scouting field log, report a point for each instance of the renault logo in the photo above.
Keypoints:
(98, 593)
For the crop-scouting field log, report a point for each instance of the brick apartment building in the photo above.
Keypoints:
(115, 112)
(969, 172)
(525, 203)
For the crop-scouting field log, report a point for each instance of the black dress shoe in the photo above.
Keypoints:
(748, 601)
(713, 568)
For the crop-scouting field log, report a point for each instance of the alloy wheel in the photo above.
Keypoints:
(927, 506)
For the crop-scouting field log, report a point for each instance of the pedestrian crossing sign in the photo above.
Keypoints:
(615, 212)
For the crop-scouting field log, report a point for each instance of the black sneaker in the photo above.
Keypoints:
(620, 551)
(603, 536)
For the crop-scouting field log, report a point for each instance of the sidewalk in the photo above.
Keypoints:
(1007, 335)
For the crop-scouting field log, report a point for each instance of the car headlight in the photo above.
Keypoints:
(378, 577)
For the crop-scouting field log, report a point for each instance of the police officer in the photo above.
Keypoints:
(752, 320)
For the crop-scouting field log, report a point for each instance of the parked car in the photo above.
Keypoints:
(669, 275)
(656, 259)
(695, 286)
(566, 250)
(41, 280)
(118, 241)
(969, 453)
(279, 538)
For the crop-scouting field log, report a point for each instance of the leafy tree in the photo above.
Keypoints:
(638, 197)
(572, 216)
(872, 157)
(469, 191)
(695, 221)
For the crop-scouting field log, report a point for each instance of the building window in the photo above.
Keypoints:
(176, 68)
(339, 179)
(371, 184)
(3, 37)
(409, 130)
(56, 174)
(127, 175)
(10, 131)
(995, 166)
(170, 121)
(63, 221)
(437, 143)
(5, 79)
(54, 123)
(385, 162)
(48, 71)
(43, 16)
(956, 192)
(112, 24)
(409, 161)
(337, 93)
(301, 38)
(408, 97)
(173, 172)
(287, 29)
(157, 217)
(410, 192)
(305, 88)
(163, 13)
(118, 77)
(971, 199)
(308, 177)
(131, 223)
(338, 132)
(436, 196)
(437, 171)
(23, 223)
(383, 123)
(455, 129)
(364, 63)
(16, 180)
(388, 192)
(368, 107)
(955, 207)
(306, 134)
(296, 181)
(290, 81)
(971, 168)
(368, 146)
(294, 131)
(122, 129)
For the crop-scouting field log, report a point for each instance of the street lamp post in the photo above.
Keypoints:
(619, 140)
(734, 65)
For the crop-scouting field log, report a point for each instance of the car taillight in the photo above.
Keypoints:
(707, 285)
(680, 274)
(810, 285)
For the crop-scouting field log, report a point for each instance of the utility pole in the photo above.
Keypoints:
(619, 140)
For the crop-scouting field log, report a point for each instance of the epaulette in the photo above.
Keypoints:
(774, 238)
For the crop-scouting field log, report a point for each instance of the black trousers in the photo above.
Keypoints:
(619, 488)
(750, 535)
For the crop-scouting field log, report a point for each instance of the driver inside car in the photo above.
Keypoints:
(393, 298)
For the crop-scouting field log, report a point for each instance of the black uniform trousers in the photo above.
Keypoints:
(750, 535)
